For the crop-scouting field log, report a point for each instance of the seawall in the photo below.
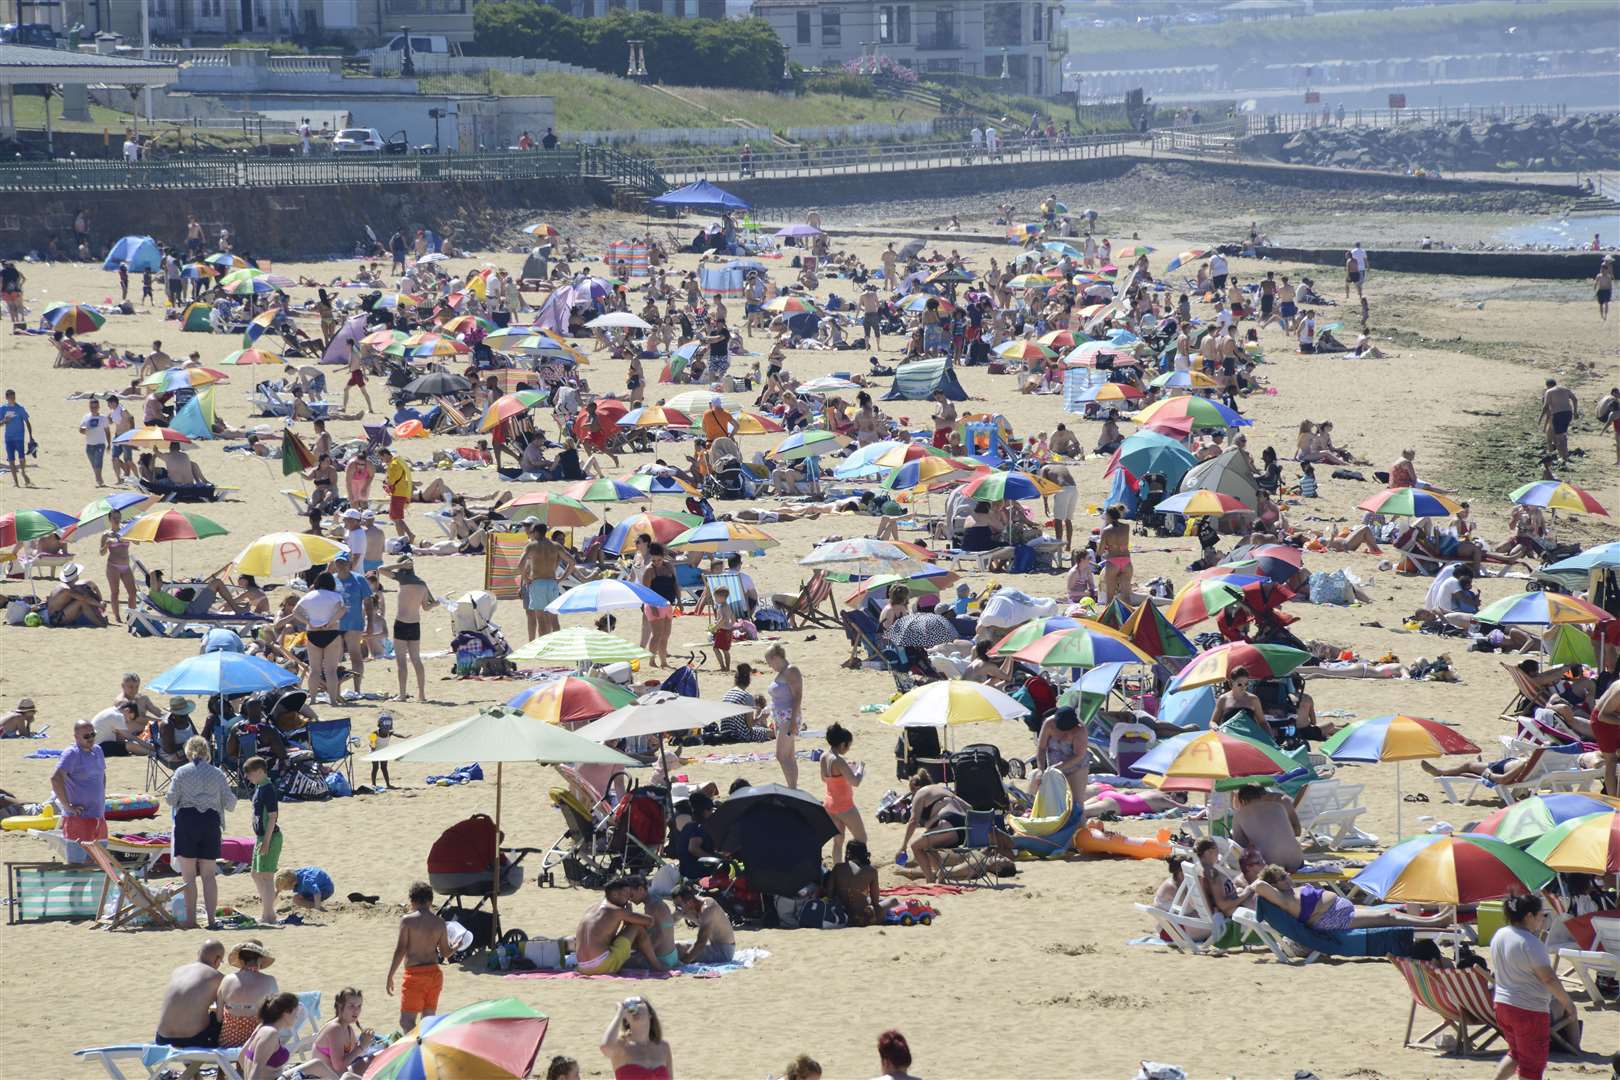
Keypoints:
(1546, 265)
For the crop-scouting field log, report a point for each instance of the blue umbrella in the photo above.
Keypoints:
(1189, 708)
(140, 252)
(1604, 556)
(222, 673)
(1148, 451)
(605, 594)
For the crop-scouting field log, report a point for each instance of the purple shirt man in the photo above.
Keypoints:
(80, 785)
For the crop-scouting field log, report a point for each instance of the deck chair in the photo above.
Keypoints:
(503, 555)
(332, 743)
(813, 606)
(863, 632)
(134, 899)
(689, 582)
(1279, 930)
(153, 1059)
(47, 892)
(731, 581)
(1554, 775)
(1425, 992)
(158, 773)
(1602, 959)
(1190, 925)
(1469, 990)
(1527, 696)
(1423, 558)
(1330, 808)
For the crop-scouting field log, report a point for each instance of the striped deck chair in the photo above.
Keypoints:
(134, 899)
(1469, 991)
(43, 892)
(450, 416)
(503, 553)
(731, 581)
(1426, 993)
(813, 606)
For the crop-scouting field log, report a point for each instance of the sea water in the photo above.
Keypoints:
(1573, 231)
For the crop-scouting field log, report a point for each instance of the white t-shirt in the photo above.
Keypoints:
(355, 541)
(97, 429)
(319, 608)
(1445, 595)
(132, 150)
(1516, 954)
(1361, 258)
(109, 723)
(1217, 265)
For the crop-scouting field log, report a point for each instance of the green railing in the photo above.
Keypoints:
(246, 171)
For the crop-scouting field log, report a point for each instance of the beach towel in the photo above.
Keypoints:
(922, 889)
(466, 774)
(741, 959)
(43, 754)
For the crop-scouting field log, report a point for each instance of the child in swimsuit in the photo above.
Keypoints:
(263, 1055)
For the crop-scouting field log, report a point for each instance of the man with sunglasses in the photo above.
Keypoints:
(80, 785)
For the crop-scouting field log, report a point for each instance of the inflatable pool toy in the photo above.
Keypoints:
(1099, 841)
(1053, 802)
(46, 820)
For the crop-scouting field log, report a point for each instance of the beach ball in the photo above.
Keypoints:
(33, 619)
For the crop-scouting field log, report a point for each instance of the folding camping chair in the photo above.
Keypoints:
(971, 863)
(332, 742)
(862, 631)
(158, 773)
(135, 900)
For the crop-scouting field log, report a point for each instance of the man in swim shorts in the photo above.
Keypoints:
(544, 562)
(187, 1017)
(610, 930)
(424, 943)
(1558, 409)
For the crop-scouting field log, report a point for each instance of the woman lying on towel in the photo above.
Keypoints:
(1321, 909)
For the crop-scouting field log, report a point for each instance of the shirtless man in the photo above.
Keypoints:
(183, 472)
(1064, 501)
(855, 884)
(357, 379)
(1558, 410)
(187, 1017)
(871, 321)
(609, 931)
(1267, 824)
(544, 562)
(1114, 544)
(716, 942)
(1064, 444)
(412, 597)
(424, 943)
(242, 991)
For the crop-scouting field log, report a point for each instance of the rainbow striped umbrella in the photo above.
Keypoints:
(164, 525)
(1202, 412)
(398, 300)
(655, 416)
(219, 260)
(1530, 819)
(1202, 600)
(1184, 379)
(258, 326)
(807, 444)
(1202, 503)
(932, 580)
(1261, 661)
(245, 283)
(925, 471)
(1211, 755)
(548, 508)
(437, 346)
(1409, 502)
(897, 454)
(93, 518)
(1156, 635)
(603, 489)
(150, 436)
(1030, 281)
(1395, 738)
(507, 406)
(1058, 339)
(1082, 646)
(571, 700)
(788, 304)
(1557, 495)
(1029, 633)
(1014, 485)
(1584, 845)
(21, 526)
(493, 1040)
(1110, 391)
(715, 537)
(466, 324)
(1452, 868)
(1024, 349)
(76, 317)
(1185, 257)
(1131, 251)
(171, 379)
(662, 525)
(1541, 609)
(917, 303)
(651, 484)
(247, 357)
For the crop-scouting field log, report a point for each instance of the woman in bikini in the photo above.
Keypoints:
(319, 613)
(343, 1045)
(1061, 745)
(786, 694)
(1323, 910)
(1114, 544)
(942, 817)
(841, 776)
(659, 576)
(357, 476)
(263, 1055)
(1238, 702)
(634, 1043)
(116, 548)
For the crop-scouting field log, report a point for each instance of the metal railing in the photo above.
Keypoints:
(245, 171)
(813, 161)
(1288, 123)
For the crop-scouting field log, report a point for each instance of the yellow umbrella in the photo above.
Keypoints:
(283, 554)
(950, 702)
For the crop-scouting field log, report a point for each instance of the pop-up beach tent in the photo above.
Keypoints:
(916, 380)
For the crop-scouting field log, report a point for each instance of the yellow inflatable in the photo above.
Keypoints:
(1097, 840)
(47, 820)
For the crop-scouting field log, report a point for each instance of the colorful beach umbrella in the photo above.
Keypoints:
(1149, 630)
(602, 489)
(1110, 392)
(164, 525)
(220, 260)
(1557, 495)
(1013, 485)
(1395, 738)
(653, 484)
(1024, 349)
(925, 472)
(789, 304)
(259, 325)
(1262, 662)
(280, 555)
(857, 549)
(541, 228)
(245, 283)
(1027, 634)
(807, 444)
(1600, 557)
(1211, 755)
(950, 703)
(76, 317)
(571, 700)
(579, 645)
(1409, 502)
(1541, 609)
(249, 357)
(1030, 281)
(605, 594)
(1528, 820)
(716, 537)
(1451, 868)
(1185, 257)
(21, 526)
(492, 1040)
(655, 416)
(1082, 646)
(466, 324)
(381, 339)
(753, 423)
(1202, 503)
(1058, 339)
(917, 303)
(1200, 411)
(169, 380)
(548, 508)
(508, 406)
(662, 525)
(150, 436)
(93, 518)
(933, 580)
(1200, 600)
(1184, 379)
(1584, 845)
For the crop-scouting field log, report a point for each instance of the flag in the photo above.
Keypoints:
(295, 456)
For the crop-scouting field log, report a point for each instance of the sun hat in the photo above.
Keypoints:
(70, 573)
(182, 706)
(255, 947)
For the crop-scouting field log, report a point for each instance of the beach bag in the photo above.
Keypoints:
(1331, 588)
(16, 612)
(302, 781)
(337, 785)
(544, 953)
(787, 912)
(770, 619)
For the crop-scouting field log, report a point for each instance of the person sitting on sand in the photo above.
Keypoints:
(1321, 909)
(241, 991)
(75, 602)
(716, 942)
(610, 930)
(1268, 824)
(342, 1048)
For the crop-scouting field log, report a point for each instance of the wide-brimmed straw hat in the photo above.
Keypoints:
(255, 947)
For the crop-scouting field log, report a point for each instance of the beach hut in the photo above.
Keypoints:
(917, 380)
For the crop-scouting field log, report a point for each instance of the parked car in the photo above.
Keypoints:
(39, 35)
(357, 141)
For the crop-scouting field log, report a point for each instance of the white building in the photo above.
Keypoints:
(1019, 39)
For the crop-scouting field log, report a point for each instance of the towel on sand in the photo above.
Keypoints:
(743, 958)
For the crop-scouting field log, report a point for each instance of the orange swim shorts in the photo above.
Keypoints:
(420, 994)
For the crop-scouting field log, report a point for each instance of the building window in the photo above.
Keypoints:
(832, 28)
(1035, 22)
(1002, 24)
(902, 24)
(804, 28)
(886, 25)
(653, 7)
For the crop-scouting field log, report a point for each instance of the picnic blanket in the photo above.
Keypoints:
(922, 889)
(743, 958)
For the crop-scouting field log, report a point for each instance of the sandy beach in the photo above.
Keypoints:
(1033, 979)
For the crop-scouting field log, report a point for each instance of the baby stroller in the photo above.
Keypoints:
(460, 866)
(979, 777)
(479, 645)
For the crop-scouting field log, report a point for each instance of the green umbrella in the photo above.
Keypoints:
(579, 644)
(1570, 645)
(1029, 633)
